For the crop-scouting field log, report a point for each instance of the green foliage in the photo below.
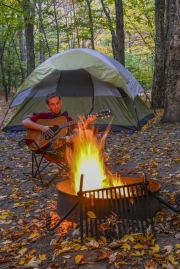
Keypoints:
(141, 66)
(73, 29)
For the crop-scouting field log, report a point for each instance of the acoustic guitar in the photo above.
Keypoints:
(59, 126)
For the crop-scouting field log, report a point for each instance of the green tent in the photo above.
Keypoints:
(88, 82)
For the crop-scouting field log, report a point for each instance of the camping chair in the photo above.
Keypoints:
(41, 159)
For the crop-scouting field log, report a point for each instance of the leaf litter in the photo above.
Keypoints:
(24, 204)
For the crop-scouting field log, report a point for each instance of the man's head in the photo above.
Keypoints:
(54, 102)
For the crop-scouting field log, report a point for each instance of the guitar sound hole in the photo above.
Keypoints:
(55, 129)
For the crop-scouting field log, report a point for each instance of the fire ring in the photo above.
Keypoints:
(67, 198)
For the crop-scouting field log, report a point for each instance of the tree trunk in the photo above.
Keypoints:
(75, 21)
(110, 25)
(91, 23)
(170, 11)
(28, 10)
(2, 65)
(158, 88)
(172, 92)
(22, 54)
(120, 57)
(41, 39)
(9, 69)
(57, 26)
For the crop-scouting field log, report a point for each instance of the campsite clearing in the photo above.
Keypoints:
(24, 205)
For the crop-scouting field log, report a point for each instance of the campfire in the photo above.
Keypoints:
(87, 158)
(104, 203)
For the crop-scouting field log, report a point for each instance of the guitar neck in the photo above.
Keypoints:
(67, 124)
(102, 114)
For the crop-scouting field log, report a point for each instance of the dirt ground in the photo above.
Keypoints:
(24, 204)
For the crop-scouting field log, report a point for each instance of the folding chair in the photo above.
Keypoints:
(40, 156)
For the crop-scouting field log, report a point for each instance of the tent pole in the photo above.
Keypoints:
(147, 97)
(139, 127)
(92, 99)
(6, 114)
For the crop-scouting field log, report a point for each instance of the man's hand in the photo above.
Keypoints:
(89, 120)
(58, 142)
(47, 131)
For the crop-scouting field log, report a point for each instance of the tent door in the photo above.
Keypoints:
(76, 83)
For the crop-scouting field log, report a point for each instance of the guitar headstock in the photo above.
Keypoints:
(102, 114)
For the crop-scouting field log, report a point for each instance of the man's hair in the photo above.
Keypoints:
(51, 95)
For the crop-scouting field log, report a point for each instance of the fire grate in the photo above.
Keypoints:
(115, 211)
(111, 212)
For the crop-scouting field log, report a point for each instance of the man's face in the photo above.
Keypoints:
(54, 105)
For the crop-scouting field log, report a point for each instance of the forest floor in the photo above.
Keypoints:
(24, 204)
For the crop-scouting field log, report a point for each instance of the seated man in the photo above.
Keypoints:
(57, 147)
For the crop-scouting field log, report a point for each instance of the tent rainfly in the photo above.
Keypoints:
(88, 82)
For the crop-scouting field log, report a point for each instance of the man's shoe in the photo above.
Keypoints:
(58, 142)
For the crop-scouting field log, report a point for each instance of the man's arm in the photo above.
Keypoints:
(29, 124)
(75, 130)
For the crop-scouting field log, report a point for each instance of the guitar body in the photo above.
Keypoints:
(40, 138)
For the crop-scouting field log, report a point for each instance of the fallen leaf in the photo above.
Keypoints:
(126, 246)
(112, 257)
(114, 245)
(67, 256)
(92, 244)
(150, 263)
(102, 255)
(137, 253)
(60, 251)
(77, 246)
(156, 248)
(168, 249)
(128, 237)
(76, 232)
(172, 259)
(22, 251)
(138, 246)
(91, 215)
(119, 263)
(33, 263)
(79, 259)
(34, 235)
(42, 257)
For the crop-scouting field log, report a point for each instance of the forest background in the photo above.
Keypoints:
(140, 34)
(60, 25)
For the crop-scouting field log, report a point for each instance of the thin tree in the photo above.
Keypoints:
(158, 88)
(111, 28)
(120, 56)
(91, 23)
(28, 13)
(22, 53)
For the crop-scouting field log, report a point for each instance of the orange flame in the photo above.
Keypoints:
(86, 157)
